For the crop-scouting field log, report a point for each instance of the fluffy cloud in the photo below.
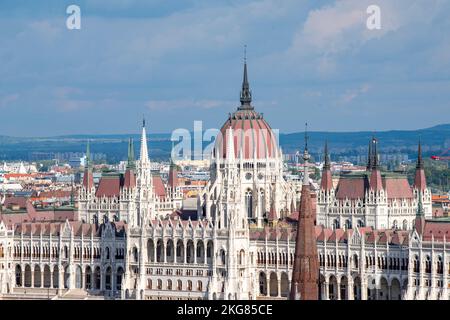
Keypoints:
(306, 58)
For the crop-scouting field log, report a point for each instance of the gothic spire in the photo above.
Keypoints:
(419, 212)
(326, 182)
(306, 157)
(419, 222)
(420, 181)
(375, 182)
(326, 164)
(375, 161)
(305, 272)
(144, 151)
(419, 164)
(88, 155)
(88, 179)
(369, 157)
(130, 163)
(246, 93)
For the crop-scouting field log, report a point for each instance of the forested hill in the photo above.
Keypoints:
(435, 140)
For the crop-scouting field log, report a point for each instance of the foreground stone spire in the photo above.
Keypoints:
(305, 273)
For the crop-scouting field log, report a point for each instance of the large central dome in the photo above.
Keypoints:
(253, 137)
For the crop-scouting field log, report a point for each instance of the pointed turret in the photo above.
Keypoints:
(88, 179)
(305, 273)
(173, 175)
(130, 177)
(369, 157)
(420, 182)
(143, 157)
(326, 183)
(130, 163)
(376, 184)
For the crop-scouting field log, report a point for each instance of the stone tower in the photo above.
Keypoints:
(305, 273)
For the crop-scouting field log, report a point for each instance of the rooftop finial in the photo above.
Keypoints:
(245, 53)
(306, 136)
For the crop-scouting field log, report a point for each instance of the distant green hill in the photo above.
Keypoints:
(434, 140)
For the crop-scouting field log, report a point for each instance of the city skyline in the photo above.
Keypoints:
(307, 62)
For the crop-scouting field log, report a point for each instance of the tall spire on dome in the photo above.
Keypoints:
(144, 151)
(246, 93)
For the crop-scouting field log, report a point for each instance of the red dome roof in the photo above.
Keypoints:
(250, 131)
(252, 135)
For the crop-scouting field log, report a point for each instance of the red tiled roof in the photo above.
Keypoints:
(158, 184)
(420, 182)
(376, 183)
(16, 201)
(109, 186)
(130, 179)
(437, 229)
(397, 188)
(352, 187)
(326, 182)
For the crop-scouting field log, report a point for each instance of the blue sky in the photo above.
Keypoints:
(180, 61)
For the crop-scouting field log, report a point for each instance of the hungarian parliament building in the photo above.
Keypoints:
(374, 232)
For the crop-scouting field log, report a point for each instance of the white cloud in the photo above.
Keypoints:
(8, 99)
(186, 104)
(350, 95)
